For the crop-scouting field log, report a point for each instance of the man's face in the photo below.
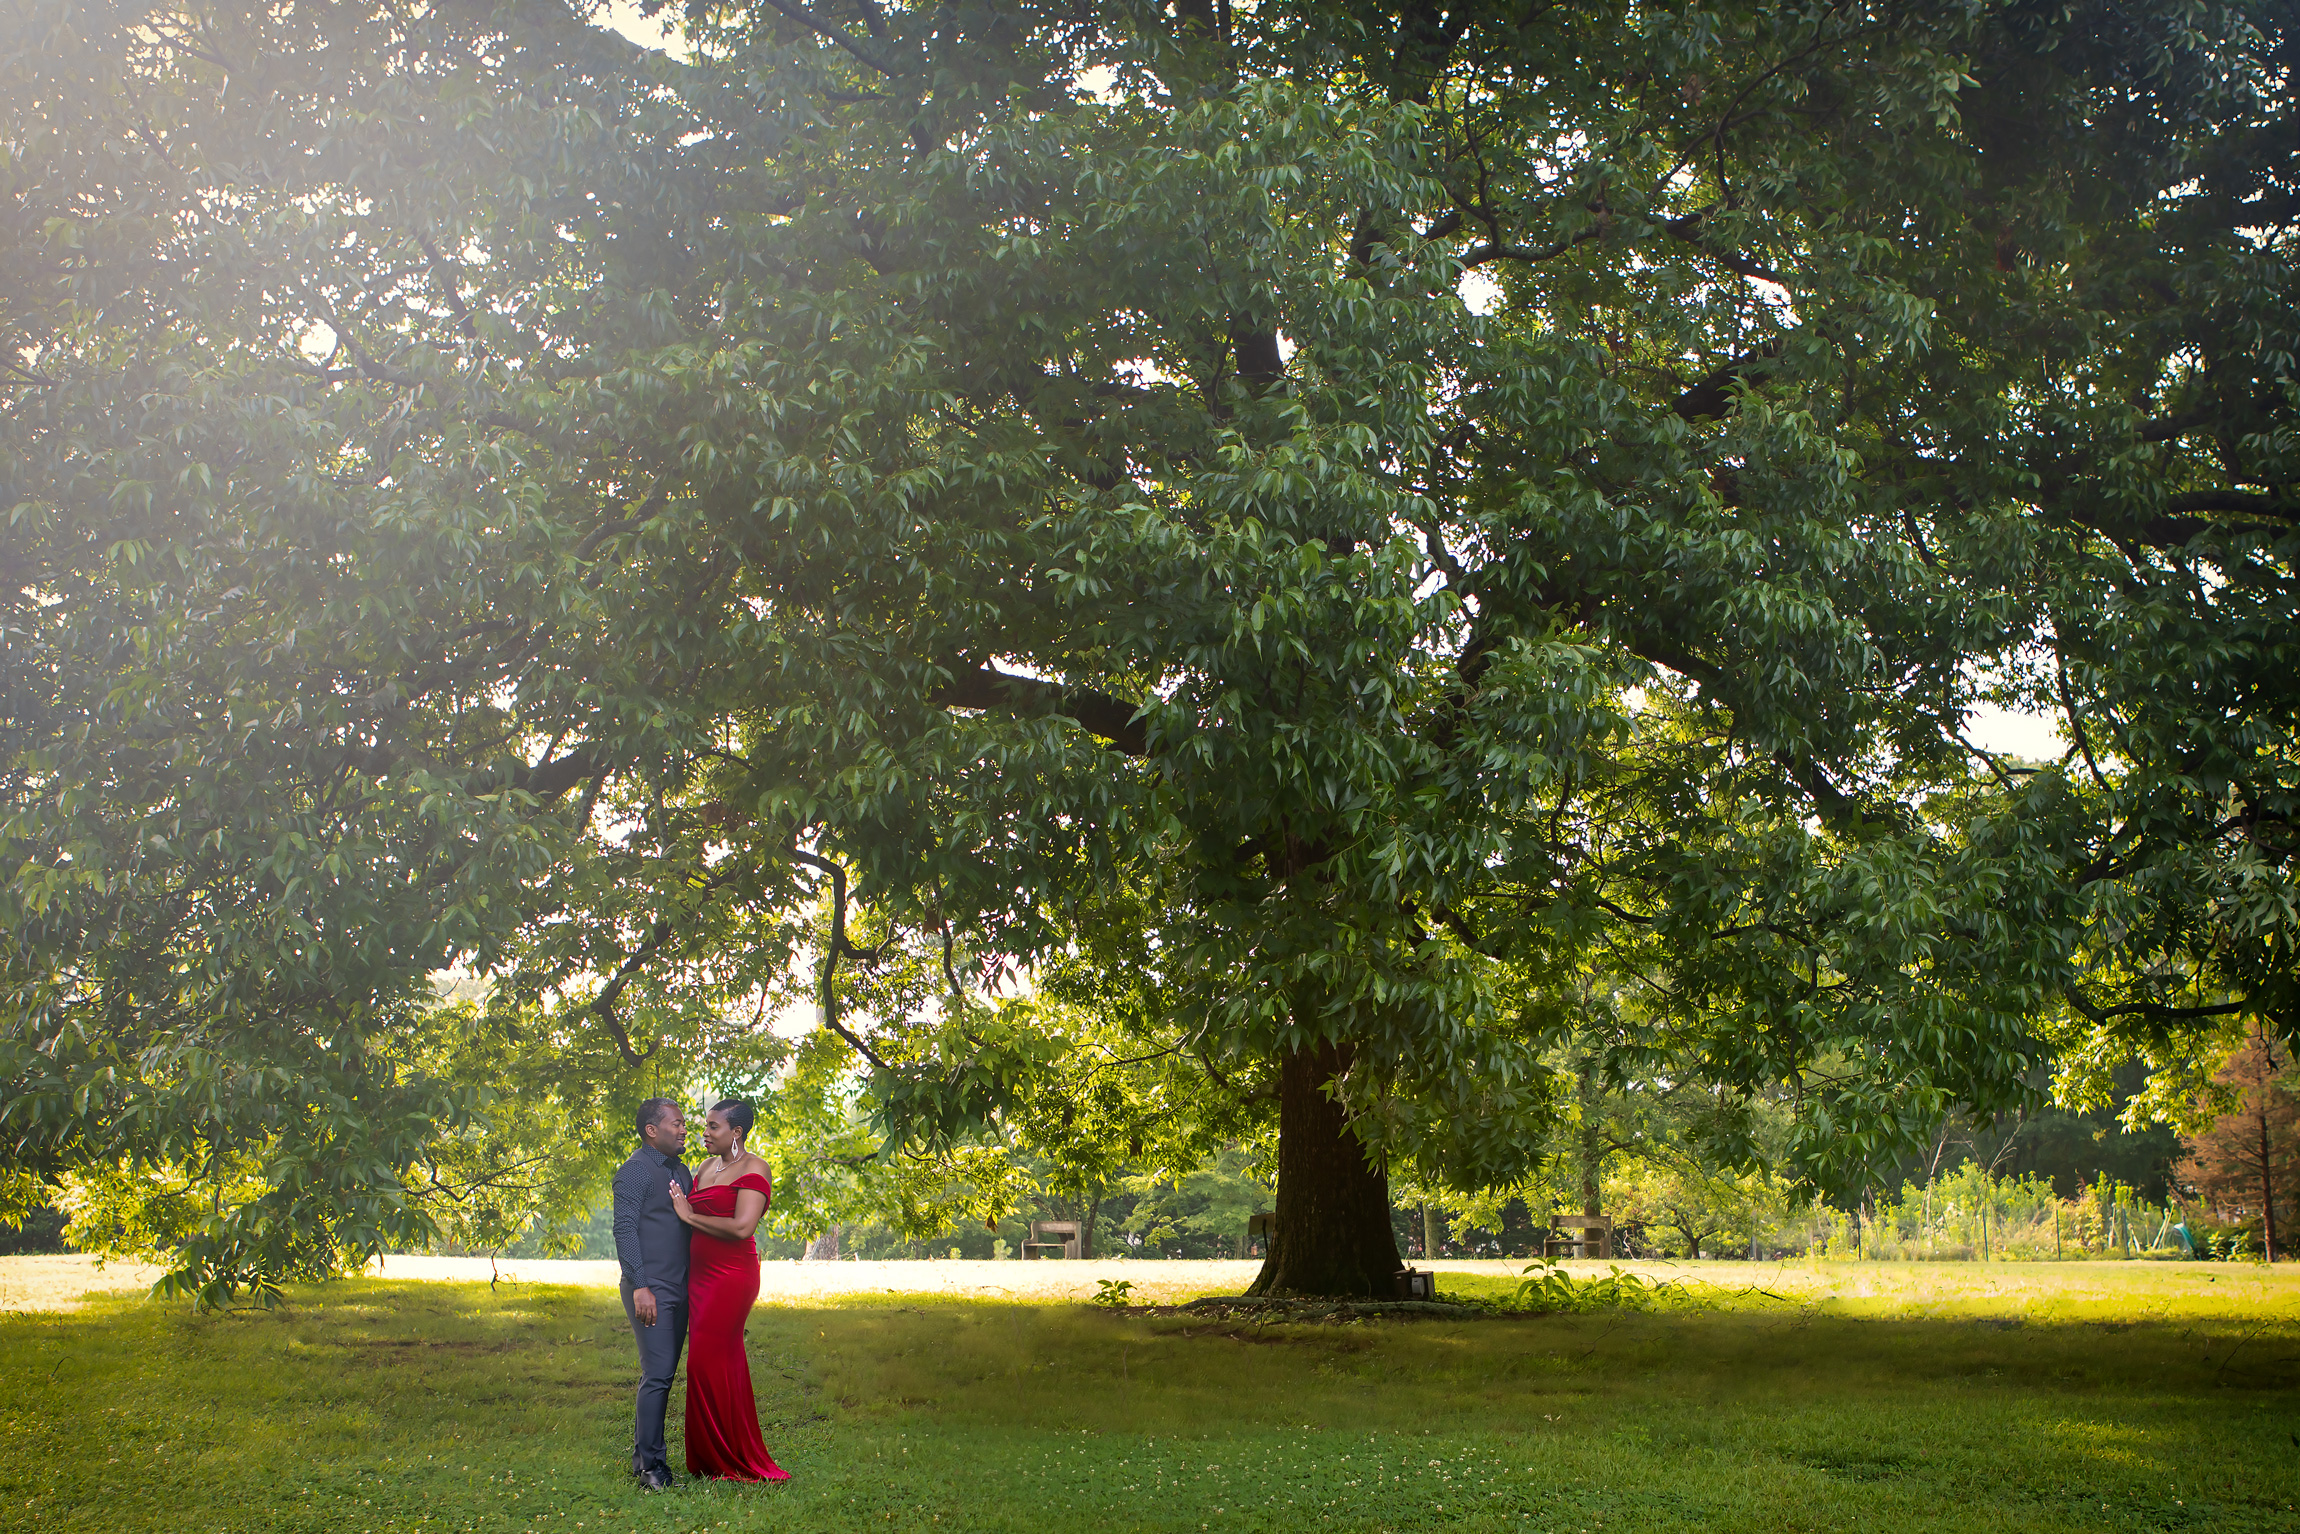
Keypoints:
(668, 1133)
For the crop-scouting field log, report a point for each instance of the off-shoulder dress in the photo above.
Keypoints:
(722, 1285)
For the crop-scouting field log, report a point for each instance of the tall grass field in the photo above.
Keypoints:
(2083, 1396)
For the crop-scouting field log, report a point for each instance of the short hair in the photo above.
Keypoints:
(651, 1113)
(737, 1111)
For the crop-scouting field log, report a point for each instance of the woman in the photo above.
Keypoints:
(732, 1190)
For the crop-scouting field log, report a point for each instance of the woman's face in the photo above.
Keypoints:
(718, 1134)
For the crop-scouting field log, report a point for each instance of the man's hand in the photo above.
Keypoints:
(643, 1306)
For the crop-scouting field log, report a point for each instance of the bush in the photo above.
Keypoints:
(41, 1234)
(1546, 1286)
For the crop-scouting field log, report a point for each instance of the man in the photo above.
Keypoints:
(651, 1245)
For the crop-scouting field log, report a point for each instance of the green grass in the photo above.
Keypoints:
(378, 1406)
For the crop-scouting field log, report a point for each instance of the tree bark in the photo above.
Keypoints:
(1592, 1141)
(825, 1247)
(1332, 1235)
(2267, 1176)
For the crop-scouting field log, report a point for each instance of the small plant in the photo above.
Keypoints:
(1546, 1286)
(1113, 1293)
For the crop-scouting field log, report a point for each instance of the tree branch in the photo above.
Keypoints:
(2166, 428)
(2242, 503)
(1687, 228)
(1833, 802)
(1459, 926)
(837, 948)
(831, 34)
(1479, 255)
(451, 287)
(598, 535)
(551, 780)
(1712, 394)
(994, 691)
(604, 1002)
(2154, 1011)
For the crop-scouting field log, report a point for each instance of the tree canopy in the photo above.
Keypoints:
(1399, 497)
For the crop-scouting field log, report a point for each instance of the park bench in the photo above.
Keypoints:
(1058, 1238)
(1595, 1238)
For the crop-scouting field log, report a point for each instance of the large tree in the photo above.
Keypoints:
(1402, 489)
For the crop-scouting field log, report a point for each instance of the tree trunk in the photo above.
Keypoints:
(2267, 1178)
(1592, 1145)
(825, 1247)
(1333, 1232)
(1086, 1228)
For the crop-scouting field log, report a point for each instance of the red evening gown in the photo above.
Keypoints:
(722, 1284)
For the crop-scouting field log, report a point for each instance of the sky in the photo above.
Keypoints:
(2001, 730)
(623, 16)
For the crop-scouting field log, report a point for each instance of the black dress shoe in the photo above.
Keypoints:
(655, 1480)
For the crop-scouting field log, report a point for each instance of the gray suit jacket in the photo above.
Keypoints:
(650, 1238)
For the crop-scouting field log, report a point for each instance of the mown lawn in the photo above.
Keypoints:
(448, 1409)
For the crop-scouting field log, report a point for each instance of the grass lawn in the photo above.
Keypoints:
(2076, 1397)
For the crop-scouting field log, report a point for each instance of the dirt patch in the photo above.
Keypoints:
(1320, 1312)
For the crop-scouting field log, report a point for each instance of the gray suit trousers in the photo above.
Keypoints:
(659, 1348)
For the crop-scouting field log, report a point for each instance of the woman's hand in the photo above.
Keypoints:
(679, 1204)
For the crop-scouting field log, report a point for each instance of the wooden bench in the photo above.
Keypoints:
(1057, 1238)
(1596, 1232)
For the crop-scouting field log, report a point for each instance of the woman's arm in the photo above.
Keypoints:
(748, 1208)
(750, 1204)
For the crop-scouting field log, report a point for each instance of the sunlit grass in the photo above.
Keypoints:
(445, 1408)
(2037, 1291)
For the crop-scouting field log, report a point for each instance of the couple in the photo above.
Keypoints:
(690, 1268)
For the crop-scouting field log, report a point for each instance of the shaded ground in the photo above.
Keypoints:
(395, 1406)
